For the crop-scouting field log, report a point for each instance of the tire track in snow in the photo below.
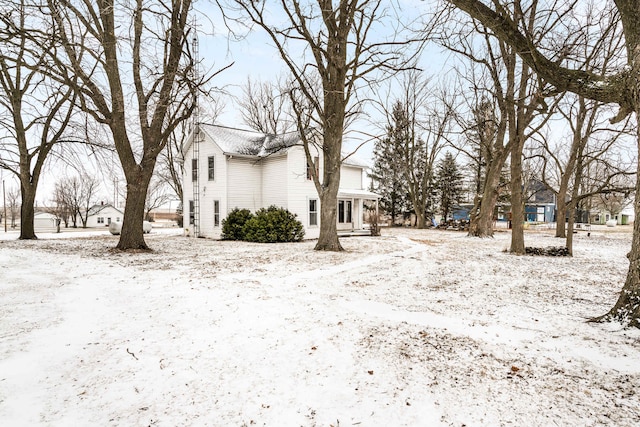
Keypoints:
(327, 271)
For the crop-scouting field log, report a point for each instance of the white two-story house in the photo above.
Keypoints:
(226, 168)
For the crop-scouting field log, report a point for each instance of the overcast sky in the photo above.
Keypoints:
(255, 57)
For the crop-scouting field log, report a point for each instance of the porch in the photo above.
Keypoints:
(352, 212)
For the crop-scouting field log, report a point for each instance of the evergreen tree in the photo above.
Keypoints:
(449, 183)
(388, 169)
(404, 166)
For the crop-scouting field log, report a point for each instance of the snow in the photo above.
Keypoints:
(413, 328)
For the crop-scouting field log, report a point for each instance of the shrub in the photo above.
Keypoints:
(233, 224)
(273, 225)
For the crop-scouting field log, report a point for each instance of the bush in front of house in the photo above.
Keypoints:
(233, 224)
(273, 225)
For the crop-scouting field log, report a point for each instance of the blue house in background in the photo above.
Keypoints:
(540, 206)
(462, 212)
(541, 203)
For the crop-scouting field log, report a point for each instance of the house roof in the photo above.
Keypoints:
(353, 161)
(248, 142)
(46, 215)
(358, 194)
(243, 142)
(95, 209)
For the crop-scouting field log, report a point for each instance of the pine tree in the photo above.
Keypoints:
(449, 183)
(387, 171)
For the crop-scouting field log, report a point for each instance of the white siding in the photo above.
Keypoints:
(301, 189)
(208, 190)
(244, 184)
(250, 183)
(275, 190)
(105, 213)
(351, 177)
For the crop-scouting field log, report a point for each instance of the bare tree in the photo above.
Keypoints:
(339, 38)
(86, 196)
(62, 207)
(614, 203)
(618, 85)
(597, 178)
(519, 95)
(156, 196)
(265, 106)
(429, 113)
(171, 165)
(152, 39)
(586, 164)
(170, 169)
(487, 144)
(77, 193)
(14, 203)
(489, 152)
(596, 46)
(38, 111)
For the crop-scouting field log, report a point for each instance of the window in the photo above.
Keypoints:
(118, 219)
(313, 212)
(216, 211)
(194, 170)
(192, 215)
(108, 220)
(344, 211)
(100, 220)
(211, 162)
(309, 167)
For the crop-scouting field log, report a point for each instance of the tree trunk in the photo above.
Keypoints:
(574, 164)
(328, 239)
(131, 234)
(561, 213)
(27, 212)
(420, 220)
(571, 209)
(517, 202)
(482, 223)
(332, 147)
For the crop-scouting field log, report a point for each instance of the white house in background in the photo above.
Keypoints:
(229, 168)
(44, 221)
(102, 215)
(600, 215)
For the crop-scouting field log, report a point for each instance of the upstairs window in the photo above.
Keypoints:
(211, 163)
(194, 170)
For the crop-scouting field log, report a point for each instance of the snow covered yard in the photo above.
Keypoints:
(414, 328)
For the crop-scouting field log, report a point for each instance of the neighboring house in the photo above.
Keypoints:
(102, 215)
(601, 215)
(541, 203)
(163, 215)
(230, 168)
(44, 221)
